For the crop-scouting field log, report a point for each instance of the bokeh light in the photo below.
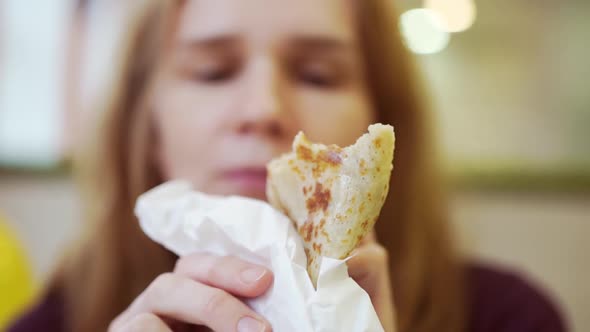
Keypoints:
(424, 31)
(456, 15)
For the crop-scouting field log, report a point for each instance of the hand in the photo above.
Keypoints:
(369, 267)
(202, 290)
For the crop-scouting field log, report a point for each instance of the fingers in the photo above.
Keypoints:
(200, 292)
(144, 322)
(369, 238)
(369, 267)
(229, 273)
(180, 298)
(367, 262)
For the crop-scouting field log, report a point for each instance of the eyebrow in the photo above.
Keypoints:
(208, 42)
(304, 42)
(320, 43)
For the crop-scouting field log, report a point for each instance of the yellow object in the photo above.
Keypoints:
(16, 283)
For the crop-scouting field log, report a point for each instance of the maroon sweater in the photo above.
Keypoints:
(499, 301)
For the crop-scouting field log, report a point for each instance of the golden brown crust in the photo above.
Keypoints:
(329, 192)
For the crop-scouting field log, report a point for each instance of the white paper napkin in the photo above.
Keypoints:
(185, 221)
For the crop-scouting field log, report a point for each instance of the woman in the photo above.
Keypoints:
(210, 92)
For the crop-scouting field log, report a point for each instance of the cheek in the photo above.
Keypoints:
(179, 147)
(334, 117)
(185, 128)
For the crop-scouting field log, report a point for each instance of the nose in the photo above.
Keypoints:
(263, 111)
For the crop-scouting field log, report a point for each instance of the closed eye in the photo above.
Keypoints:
(319, 73)
(213, 73)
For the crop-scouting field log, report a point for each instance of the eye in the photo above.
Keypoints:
(213, 72)
(318, 75)
(318, 78)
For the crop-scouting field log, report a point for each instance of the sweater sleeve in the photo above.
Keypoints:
(502, 301)
(47, 315)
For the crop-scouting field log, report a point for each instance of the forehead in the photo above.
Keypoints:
(266, 20)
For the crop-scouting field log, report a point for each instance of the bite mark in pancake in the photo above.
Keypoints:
(333, 194)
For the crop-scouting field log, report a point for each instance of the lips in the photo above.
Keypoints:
(247, 178)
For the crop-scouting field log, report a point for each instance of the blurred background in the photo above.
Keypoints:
(507, 79)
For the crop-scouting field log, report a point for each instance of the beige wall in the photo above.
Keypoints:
(542, 235)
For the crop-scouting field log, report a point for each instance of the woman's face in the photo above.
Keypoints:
(241, 78)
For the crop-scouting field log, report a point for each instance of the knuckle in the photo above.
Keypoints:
(160, 286)
(114, 326)
(379, 253)
(164, 280)
(181, 264)
(185, 262)
(143, 322)
(216, 302)
(195, 265)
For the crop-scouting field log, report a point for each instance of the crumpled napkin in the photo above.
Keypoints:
(186, 221)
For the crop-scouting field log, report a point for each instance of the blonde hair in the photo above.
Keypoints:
(115, 261)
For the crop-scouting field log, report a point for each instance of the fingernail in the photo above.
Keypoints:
(249, 324)
(252, 275)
